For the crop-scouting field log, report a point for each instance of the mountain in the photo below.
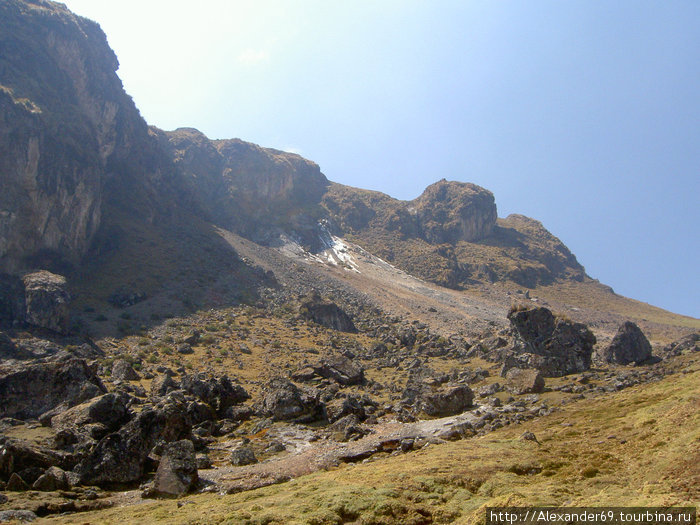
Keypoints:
(162, 293)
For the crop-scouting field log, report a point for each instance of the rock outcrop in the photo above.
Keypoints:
(326, 314)
(28, 391)
(449, 212)
(121, 457)
(47, 300)
(554, 346)
(629, 345)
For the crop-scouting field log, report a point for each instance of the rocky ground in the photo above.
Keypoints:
(238, 398)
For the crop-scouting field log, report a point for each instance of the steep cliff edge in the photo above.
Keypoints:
(66, 128)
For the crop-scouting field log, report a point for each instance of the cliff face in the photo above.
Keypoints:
(65, 126)
(83, 174)
(255, 191)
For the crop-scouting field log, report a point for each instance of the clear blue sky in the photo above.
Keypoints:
(582, 114)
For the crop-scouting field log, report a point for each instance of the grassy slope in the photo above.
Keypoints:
(637, 447)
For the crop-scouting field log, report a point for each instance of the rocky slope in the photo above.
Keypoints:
(226, 318)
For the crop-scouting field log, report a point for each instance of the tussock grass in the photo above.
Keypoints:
(640, 446)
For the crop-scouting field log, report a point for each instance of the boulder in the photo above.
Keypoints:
(282, 400)
(554, 346)
(629, 345)
(123, 371)
(121, 457)
(336, 368)
(109, 411)
(525, 381)
(28, 391)
(449, 212)
(47, 299)
(217, 392)
(16, 483)
(177, 470)
(689, 343)
(447, 401)
(53, 479)
(339, 408)
(242, 455)
(326, 313)
(19, 456)
(161, 385)
(20, 516)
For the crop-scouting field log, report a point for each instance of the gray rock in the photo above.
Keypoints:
(202, 461)
(217, 392)
(109, 410)
(53, 479)
(689, 343)
(283, 401)
(16, 483)
(554, 346)
(184, 348)
(447, 401)
(19, 456)
(161, 385)
(121, 457)
(525, 381)
(242, 456)
(489, 390)
(326, 314)
(47, 300)
(29, 390)
(529, 436)
(26, 516)
(177, 470)
(339, 408)
(629, 345)
(122, 370)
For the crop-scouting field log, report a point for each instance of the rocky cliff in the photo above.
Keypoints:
(66, 128)
(84, 176)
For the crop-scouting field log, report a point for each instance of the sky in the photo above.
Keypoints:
(584, 115)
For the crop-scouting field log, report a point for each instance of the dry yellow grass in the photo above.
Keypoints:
(636, 447)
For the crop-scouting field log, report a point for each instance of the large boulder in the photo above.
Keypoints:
(177, 470)
(554, 346)
(282, 400)
(21, 457)
(448, 400)
(326, 313)
(28, 391)
(629, 345)
(47, 299)
(217, 392)
(121, 457)
(53, 479)
(96, 417)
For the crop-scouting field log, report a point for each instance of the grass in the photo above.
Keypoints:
(640, 447)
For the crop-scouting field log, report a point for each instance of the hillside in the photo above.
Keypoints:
(186, 317)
